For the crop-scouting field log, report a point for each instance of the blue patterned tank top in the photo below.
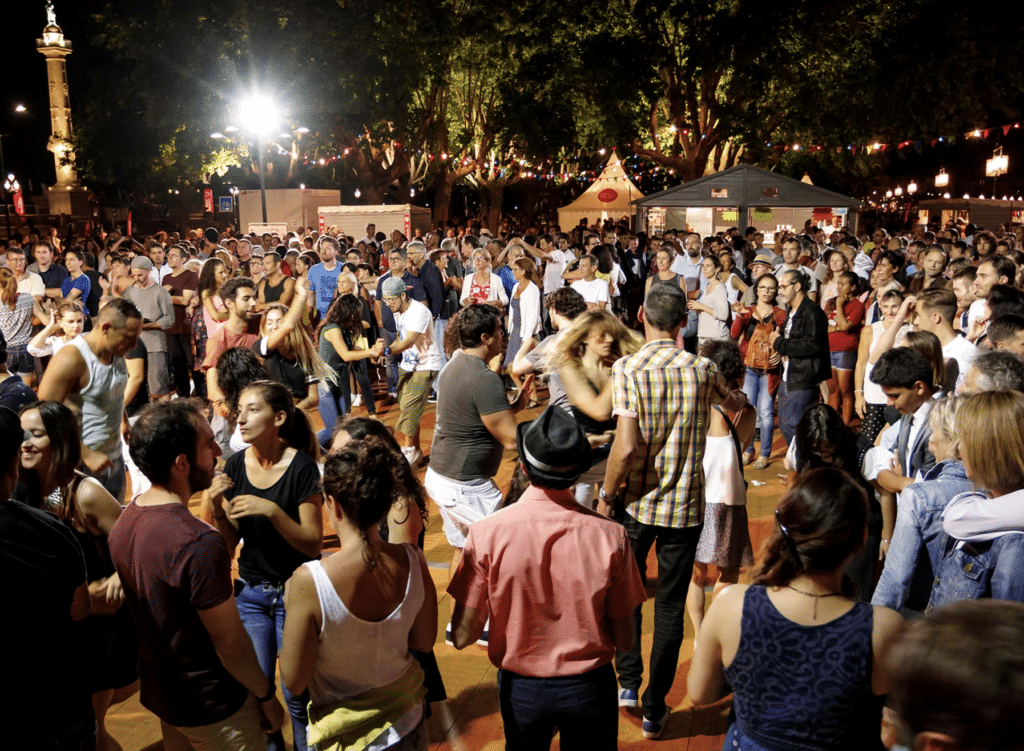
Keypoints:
(802, 688)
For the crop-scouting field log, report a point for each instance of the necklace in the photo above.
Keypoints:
(814, 613)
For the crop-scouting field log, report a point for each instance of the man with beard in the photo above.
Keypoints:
(198, 668)
(688, 264)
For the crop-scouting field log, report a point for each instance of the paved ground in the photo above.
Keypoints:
(469, 719)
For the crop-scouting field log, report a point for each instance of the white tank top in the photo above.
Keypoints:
(873, 393)
(354, 655)
(723, 476)
(101, 402)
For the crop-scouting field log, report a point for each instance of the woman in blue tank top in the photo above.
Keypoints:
(804, 659)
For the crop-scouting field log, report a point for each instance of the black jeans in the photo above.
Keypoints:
(676, 548)
(179, 351)
(583, 708)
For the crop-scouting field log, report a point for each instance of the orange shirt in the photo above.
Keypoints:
(551, 573)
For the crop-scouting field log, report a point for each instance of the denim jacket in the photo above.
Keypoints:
(916, 547)
(987, 564)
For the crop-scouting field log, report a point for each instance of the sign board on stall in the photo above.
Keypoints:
(274, 229)
(226, 204)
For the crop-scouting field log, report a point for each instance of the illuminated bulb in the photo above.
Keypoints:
(358, 193)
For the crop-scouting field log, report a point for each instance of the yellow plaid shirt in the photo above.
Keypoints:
(670, 393)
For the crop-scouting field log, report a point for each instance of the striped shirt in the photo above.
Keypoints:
(670, 393)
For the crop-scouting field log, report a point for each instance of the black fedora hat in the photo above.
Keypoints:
(553, 446)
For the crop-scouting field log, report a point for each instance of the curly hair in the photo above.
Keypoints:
(347, 312)
(726, 357)
(361, 480)
(236, 369)
(359, 428)
(163, 432)
(208, 276)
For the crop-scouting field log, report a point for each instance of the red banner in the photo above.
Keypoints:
(208, 200)
(408, 227)
(19, 204)
(607, 195)
(323, 224)
(128, 230)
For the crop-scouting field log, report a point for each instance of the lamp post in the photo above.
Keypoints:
(258, 115)
(9, 181)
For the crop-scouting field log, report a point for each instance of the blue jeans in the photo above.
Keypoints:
(791, 408)
(261, 607)
(755, 386)
(440, 324)
(676, 549)
(336, 400)
(583, 708)
(391, 362)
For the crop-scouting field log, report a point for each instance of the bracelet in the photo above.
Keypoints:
(269, 695)
(218, 518)
(859, 391)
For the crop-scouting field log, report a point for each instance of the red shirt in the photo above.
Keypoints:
(551, 573)
(846, 341)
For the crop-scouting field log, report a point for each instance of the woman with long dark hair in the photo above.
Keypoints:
(805, 660)
(16, 310)
(344, 348)
(269, 495)
(210, 312)
(108, 639)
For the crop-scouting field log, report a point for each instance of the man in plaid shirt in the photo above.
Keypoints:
(662, 397)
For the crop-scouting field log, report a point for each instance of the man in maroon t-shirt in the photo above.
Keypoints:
(198, 668)
(182, 285)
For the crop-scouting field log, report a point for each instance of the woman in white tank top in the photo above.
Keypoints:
(353, 617)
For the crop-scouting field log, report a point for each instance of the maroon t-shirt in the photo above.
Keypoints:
(173, 565)
(178, 284)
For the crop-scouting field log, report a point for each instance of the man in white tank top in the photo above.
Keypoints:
(89, 376)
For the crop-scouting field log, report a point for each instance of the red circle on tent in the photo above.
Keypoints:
(607, 195)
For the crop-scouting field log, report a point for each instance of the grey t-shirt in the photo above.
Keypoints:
(155, 304)
(463, 449)
(556, 389)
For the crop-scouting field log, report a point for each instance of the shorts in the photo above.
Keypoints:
(413, 388)
(158, 378)
(461, 503)
(19, 361)
(844, 360)
(240, 731)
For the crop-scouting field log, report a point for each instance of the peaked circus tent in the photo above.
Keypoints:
(609, 197)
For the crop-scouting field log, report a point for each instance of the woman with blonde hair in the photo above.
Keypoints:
(984, 553)
(582, 357)
(908, 575)
(294, 362)
(483, 286)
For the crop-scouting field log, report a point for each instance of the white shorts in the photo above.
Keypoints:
(461, 503)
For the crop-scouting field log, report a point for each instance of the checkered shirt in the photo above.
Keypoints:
(670, 393)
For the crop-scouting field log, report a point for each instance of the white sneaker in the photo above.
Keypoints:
(357, 400)
(413, 455)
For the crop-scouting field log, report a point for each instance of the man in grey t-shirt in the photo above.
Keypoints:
(157, 308)
(475, 424)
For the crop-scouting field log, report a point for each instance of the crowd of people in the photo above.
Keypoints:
(204, 364)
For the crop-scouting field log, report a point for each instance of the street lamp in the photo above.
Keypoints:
(11, 185)
(259, 115)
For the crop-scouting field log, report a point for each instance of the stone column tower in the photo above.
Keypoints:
(67, 196)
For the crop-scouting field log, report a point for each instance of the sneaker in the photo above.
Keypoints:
(412, 455)
(653, 729)
(357, 400)
(432, 398)
(483, 640)
(628, 698)
(448, 635)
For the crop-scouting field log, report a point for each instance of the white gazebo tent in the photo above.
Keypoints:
(609, 197)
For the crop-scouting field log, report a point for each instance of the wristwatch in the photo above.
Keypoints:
(269, 695)
(601, 494)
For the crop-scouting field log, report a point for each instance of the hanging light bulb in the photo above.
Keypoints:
(898, 191)
(358, 193)
(912, 188)
(942, 179)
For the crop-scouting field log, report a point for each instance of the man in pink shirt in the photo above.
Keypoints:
(559, 583)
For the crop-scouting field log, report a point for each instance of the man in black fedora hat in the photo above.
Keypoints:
(559, 583)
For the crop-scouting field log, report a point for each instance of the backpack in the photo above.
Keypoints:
(759, 348)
